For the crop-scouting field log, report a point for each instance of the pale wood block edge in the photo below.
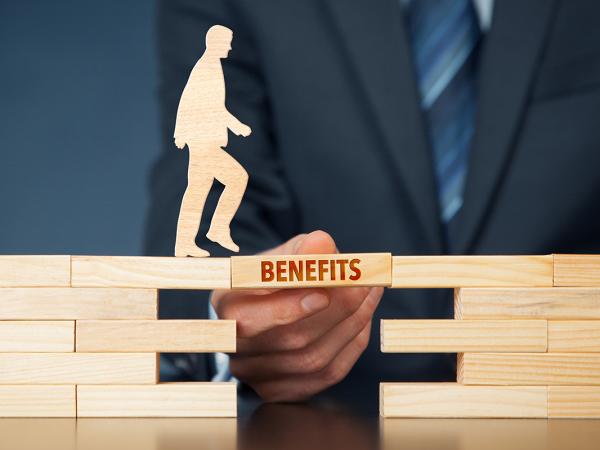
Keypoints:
(38, 401)
(173, 399)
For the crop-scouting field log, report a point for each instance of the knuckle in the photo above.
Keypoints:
(294, 341)
(362, 341)
(333, 374)
(312, 361)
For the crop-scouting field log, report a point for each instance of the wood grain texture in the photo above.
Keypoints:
(40, 336)
(78, 368)
(77, 303)
(578, 336)
(188, 399)
(455, 336)
(35, 270)
(37, 401)
(292, 271)
(166, 336)
(574, 402)
(577, 270)
(527, 303)
(451, 400)
(464, 271)
(151, 272)
(529, 368)
(202, 122)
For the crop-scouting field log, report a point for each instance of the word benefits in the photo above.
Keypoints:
(311, 270)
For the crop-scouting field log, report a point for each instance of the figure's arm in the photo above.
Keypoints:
(238, 128)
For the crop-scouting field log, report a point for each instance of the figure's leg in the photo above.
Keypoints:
(235, 179)
(192, 205)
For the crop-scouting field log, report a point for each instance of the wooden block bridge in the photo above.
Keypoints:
(80, 335)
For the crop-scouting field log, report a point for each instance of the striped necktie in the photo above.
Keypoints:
(444, 36)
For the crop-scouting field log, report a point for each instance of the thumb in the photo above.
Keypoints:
(317, 242)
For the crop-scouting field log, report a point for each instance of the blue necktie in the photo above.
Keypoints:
(444, 35)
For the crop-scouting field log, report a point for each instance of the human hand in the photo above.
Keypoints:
(294, 343)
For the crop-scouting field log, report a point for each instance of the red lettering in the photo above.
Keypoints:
(342, 263)
(296, 271)
(266, 271)
(281, 271)
(310, 270)
(322, 268)
(356, 273)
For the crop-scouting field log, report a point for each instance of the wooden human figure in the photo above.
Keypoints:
(202, 123)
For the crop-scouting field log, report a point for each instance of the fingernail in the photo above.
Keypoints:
(315, 302)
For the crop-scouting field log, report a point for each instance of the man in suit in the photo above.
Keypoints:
(414, 127)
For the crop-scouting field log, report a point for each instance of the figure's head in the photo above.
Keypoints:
(218, 40)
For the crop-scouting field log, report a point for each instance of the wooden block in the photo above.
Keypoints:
(455, 336)
(579, 336)
(454, 400)
(465, 271)
(37, 401)
(78, 368)
(35, 270)
(188, 399)
(42, 336)
(574, 402)
(529, 368)
(292, 271)
(527, 303)
(151, 272)
(166, 336)
(577, 270)
(77, 303)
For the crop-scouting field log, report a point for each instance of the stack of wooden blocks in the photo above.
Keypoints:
(79, 337)
(526, 331)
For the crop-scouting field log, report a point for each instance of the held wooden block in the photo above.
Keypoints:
(35, 270)
(529, 368)
(527, 303)
(188, 399)
(577, 270)
(37, 401)
(574, 402)
(42, 336)
(151, 272)
(77, 303)
(464, 271)
(289, 271)
(78, 368)
(455, 336)
(574, 336)
(451, 400)
(166, 336)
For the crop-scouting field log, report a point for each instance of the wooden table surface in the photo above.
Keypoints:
(291, 427)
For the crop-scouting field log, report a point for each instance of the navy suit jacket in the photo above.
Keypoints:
(339, 143)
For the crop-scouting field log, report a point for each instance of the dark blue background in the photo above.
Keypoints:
(78, 124)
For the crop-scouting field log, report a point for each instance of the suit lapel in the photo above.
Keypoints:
(510, 56)
(377, 49)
